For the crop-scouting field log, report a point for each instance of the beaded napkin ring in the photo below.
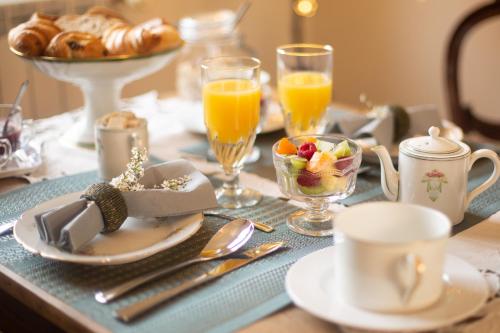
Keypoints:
(111, 203)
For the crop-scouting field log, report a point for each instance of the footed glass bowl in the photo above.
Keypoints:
(317, 181)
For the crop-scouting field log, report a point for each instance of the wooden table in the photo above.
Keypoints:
(24, 308)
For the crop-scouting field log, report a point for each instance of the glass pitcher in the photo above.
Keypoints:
(206, 35)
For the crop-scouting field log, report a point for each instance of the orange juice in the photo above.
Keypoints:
(304, 97)
(232, 110)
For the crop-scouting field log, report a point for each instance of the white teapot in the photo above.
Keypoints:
(433, 172)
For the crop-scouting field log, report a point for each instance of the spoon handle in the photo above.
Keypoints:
(6, 228)
(13, 110)
(242, 10)
(110, 294)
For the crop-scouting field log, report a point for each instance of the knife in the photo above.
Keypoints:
(134, 310)
(7, 228)
(258, 225)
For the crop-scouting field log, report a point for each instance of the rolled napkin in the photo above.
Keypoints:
(386, 124)
(103, 207)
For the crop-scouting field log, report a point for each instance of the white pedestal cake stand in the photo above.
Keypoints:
(101, 81)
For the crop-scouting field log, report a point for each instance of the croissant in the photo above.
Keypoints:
(115, 40)
(31, 38)
(76, 45)
(148, 37)
(163, 35)
(97, 33)
(92, 24)
(38, 16)
(106, 12)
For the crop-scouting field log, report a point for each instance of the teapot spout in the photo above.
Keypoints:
(390, 177)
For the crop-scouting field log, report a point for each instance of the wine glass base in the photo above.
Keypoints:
(301, 223)
(237, 198)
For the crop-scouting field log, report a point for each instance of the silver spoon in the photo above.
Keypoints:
(242, 10)
(15, 106)
(230, 238)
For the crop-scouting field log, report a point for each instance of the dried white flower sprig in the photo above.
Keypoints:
(175, 184)
(129, 180)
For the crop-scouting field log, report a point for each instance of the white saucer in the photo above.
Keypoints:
(135, 240)
(309, 282)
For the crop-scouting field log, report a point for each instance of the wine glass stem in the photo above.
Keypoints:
(233, 181)
(318, 210)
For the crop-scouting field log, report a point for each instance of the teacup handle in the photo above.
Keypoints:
(491, 155)
(410, 269)
(7, 151)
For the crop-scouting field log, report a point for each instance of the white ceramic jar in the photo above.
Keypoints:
(114, 147)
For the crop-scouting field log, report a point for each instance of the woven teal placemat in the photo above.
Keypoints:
(225, 305)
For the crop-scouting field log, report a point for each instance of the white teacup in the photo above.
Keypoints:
(389, 256)
(114, 147)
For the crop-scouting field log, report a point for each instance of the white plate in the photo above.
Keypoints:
(309, 282)
(135, 240)
(25, 160)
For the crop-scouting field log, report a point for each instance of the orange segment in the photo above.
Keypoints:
(286, 147)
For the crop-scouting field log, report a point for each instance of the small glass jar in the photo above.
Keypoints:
(206, 35)
(15, 134)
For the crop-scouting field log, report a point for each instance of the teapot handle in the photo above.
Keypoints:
(491, 155)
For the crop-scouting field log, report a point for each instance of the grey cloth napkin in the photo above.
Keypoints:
(50, 224)
(379, 125)
(198, 194)
(422, 117)
(73, 225)
(81, 229)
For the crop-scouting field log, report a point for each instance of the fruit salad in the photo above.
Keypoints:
(316, 166)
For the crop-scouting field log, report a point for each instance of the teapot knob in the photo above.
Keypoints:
(434, 132)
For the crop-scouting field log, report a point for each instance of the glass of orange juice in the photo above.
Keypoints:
(305, 86)
(231, 104)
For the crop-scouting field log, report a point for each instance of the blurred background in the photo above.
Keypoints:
(392, 50)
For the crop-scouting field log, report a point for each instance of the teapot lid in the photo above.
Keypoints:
(434, 146)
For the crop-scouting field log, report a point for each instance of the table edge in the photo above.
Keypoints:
(47, 305)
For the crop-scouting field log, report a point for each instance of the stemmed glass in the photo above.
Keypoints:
(231, 104)
(305, 86)
(331, 180)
